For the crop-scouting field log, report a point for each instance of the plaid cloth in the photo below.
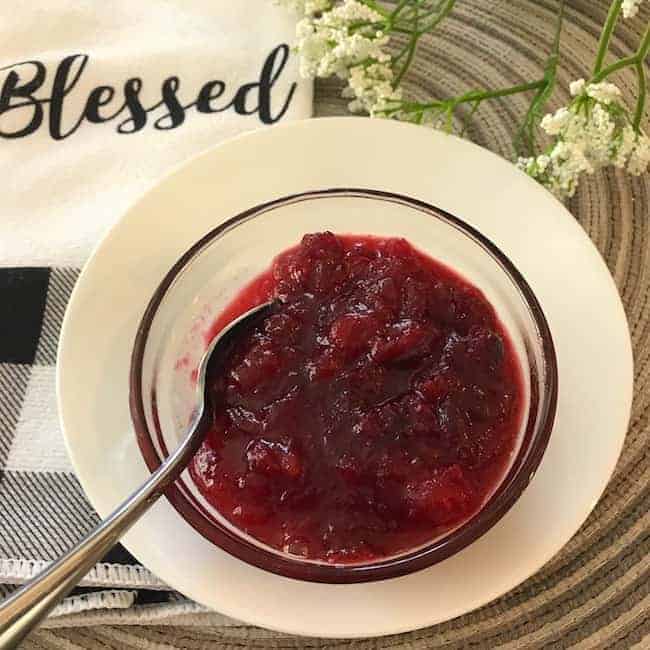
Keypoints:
(43, 510)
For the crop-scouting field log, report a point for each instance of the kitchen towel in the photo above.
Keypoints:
(98, 100)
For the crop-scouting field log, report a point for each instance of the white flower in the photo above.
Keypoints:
(568, 160)
(543, 162)
(577, 87)
(343, 37)
(603, 92)
(598, 136)
(347, 40)
(630, 8)
(640, 157)
(625, 147)
(371, 86)
(593, 132)
(554, 123)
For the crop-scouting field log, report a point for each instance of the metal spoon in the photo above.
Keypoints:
(30, 604)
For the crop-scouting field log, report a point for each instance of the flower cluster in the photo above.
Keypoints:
(593, 132)
(630, 8)
(347, 40)
(350, 39)
(370, 86)
(345, 36)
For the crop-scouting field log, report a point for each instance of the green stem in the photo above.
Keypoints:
(640, 101)
(526, 132)
(426, 14)
(415, 19)
(412, 46)
(480, 95)
(402, 52)
(409, 58)
(449, 5)
(383, 26)
(638, 61)
(473, 96)
(397, 9)
(555, 50)
(401, 30)
(606, 34)
(633, 59)
(617, 65)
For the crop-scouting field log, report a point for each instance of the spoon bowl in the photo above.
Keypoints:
(217, 351)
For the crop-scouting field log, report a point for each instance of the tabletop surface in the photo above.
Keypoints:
(596, 592)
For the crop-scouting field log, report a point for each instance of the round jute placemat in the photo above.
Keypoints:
(596, 591)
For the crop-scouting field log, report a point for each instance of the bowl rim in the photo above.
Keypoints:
(509, 490)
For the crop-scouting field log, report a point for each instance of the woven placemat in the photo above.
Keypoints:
(596, 592)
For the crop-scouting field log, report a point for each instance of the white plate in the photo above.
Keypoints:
(533, 229)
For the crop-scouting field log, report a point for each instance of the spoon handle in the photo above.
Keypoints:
(30, 604)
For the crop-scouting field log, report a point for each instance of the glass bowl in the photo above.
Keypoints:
(170, 342)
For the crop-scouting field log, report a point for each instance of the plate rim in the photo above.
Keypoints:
(489, 595)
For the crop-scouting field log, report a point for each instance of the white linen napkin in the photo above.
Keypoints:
(99, 99)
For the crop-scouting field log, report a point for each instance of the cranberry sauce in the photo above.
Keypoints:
(376, 410)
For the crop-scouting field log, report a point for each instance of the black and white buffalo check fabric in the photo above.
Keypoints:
(43, 510)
